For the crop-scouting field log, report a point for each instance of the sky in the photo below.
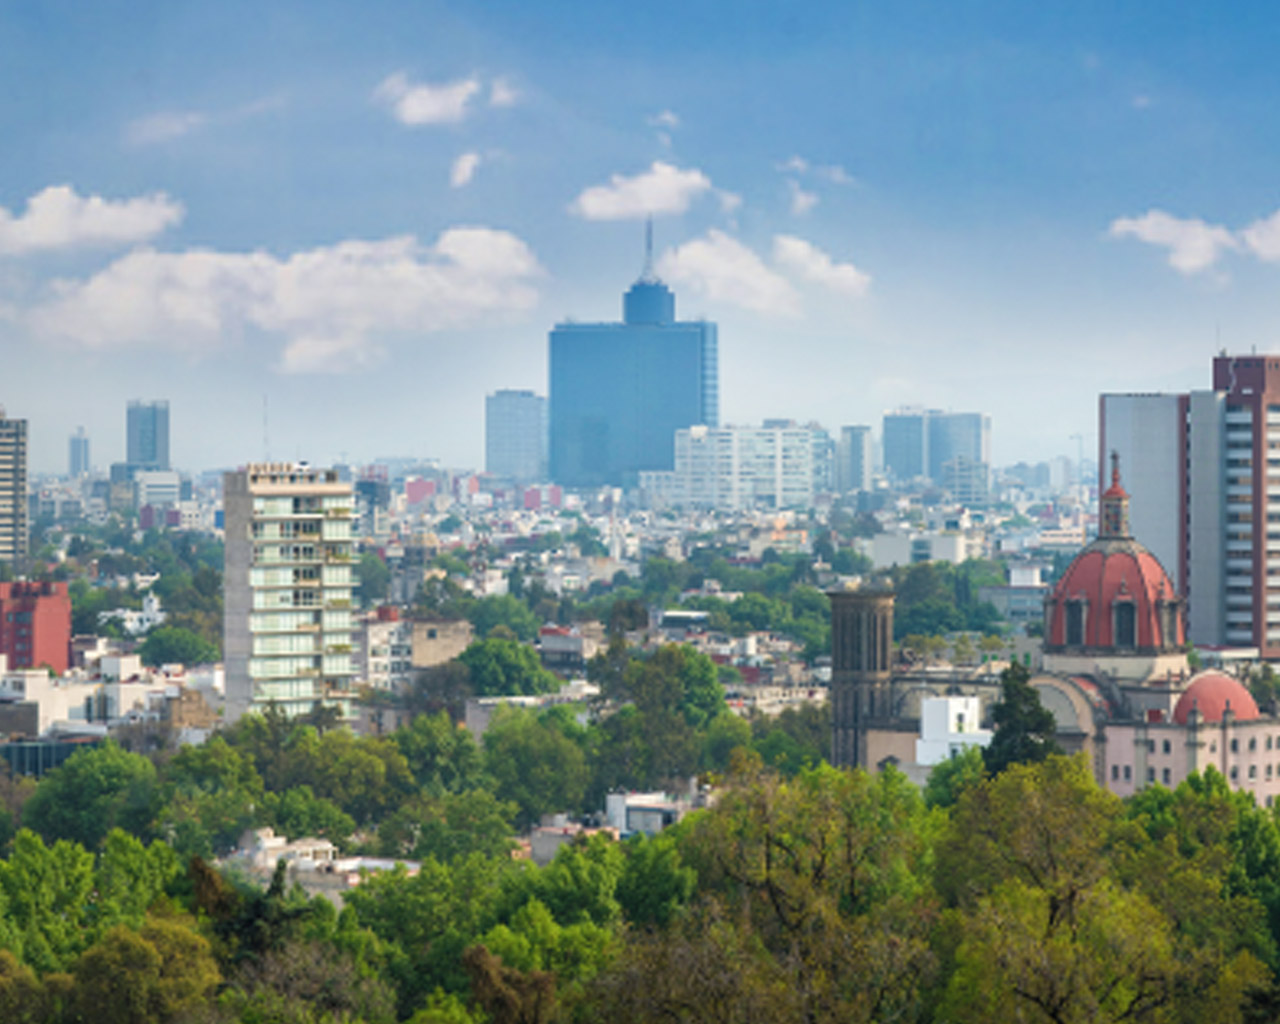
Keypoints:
(326, 231)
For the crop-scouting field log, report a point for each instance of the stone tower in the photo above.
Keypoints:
(861, 651)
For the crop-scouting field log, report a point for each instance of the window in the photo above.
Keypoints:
(1151, 775)
(1253, 744)
(1167, 776)
(1151, 746)
(1115, 772)
(1128, 773)
(1235, 746)
(1126, 619)
(1235, 773)
(1253, 771)
(1167, 747)
(1075, 623)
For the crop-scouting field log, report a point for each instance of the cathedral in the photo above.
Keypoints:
(1114, 674)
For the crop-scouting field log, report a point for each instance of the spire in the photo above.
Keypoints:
(1113, 520)
(647, 273)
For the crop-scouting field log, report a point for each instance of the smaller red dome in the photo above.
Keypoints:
(1210, 693)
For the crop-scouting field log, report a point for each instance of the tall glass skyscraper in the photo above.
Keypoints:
(148, 435)
(620, 391)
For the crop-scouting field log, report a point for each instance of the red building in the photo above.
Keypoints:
(35, 625)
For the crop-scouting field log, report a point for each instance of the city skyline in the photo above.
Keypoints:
(999, 209)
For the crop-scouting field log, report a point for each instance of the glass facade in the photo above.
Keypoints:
(620, 391)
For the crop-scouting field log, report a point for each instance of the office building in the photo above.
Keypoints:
(938, 446)
(78, 455)
(288, 624)
(35, 625)
(619, 391)
(515, 436)
(148, 436)
(13, 492)
(1205, 480)
(853, 459)
(734, 468)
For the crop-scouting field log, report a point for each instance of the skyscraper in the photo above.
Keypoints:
(620, 391)
(13, 491)
(78, 455)
(1205, 483)
(853, 459)
(515, 436)
(939, 446)
(148, 436)
(287, 620)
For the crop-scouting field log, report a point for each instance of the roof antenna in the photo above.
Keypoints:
(647, 275)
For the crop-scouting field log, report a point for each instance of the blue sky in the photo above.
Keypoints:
(370, 215)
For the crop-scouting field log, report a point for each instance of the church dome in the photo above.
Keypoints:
(1212, 693)
(1115, 597)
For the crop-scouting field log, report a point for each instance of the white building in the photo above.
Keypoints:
(947, 726)
(386, 650)
(736, 468)
(288, 626)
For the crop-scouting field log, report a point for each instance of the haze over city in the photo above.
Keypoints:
(371, 216)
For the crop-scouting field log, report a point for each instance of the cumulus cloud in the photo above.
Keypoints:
(722, 269)
(667, 119)
(334, 305)
(423, 103)
(663, 188)
(1262, 238)
(801, 201)
(502, 93)
(835, 174)
(812, 264)
(464, 169)
(59, 218)
(1193, 245)
(794, 165)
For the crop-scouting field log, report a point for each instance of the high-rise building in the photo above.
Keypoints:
(78, 455)
(35, 625)
(853, 459)
(1204, 478)
(288, 621)
(515, 436)
(619, 391)
(13, 491)
(737, 468)
(937, 446)
(148, 435)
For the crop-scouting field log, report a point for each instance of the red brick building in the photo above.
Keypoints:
(35, 625)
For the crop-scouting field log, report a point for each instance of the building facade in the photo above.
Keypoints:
(147, 435)
(35, 625)
(949, 449)
(13, 491)
(734, 468)
(854, 459)
(515, 436)
(1206, 487)
(619, 391)
(78, 455)
(288, 582)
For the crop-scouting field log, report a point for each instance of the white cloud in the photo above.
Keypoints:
(835, 174)
(663, 188)
(801, 201)
(420, 103)
(811, 263)
(664, 119)
(730, 202)
(334, 304)
(1193, 245)
(1263, 238)
(58, 218)
(163, 127)
(794, 165)
(464, 169)
(502, 93)
(722, 269)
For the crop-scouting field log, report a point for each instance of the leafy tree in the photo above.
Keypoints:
(503, 610)
(93, 792)
(441, 755)
(501, 668)
(169, 644)
(298, 812)
(951, 778)
(373, 578)
(534, 764)
(450, 826)
(23, 998)
(1024, 728)
(655, 884)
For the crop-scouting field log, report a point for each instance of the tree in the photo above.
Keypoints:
(441, 755)
(373, 578)
(951, 778)
(503, 610)
(1024, 728)
(450, 826)
(503, 668)
(93, 792)
(46, 892)
(166, 645)
(534, 764)
(655, 884)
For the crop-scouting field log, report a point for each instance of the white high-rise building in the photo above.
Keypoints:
(13, 492)
(743, 467)
(515, 436)
(288, 620)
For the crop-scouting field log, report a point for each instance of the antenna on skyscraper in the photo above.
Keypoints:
(647, 275)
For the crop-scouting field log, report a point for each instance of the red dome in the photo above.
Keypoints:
(1115, 595)
(1210, 693)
